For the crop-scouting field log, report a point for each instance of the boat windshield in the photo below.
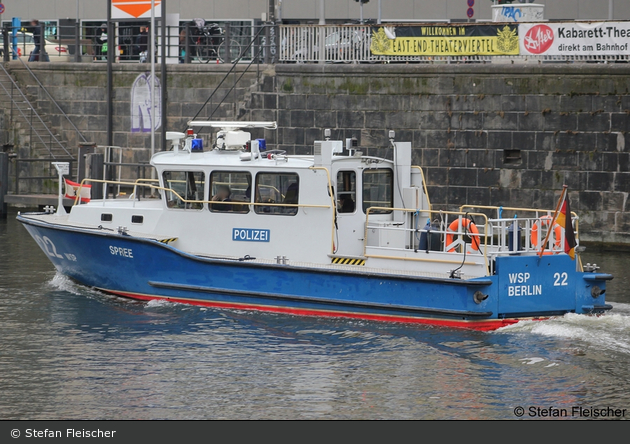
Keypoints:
(378, 190)
(184, 186)
(277, 188)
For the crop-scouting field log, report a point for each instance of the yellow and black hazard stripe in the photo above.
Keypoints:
(348, 261)
(167, 241)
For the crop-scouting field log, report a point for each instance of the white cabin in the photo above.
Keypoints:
(335, 208)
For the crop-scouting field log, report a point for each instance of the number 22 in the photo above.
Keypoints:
(560, 279)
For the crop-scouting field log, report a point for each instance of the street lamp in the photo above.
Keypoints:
(361, 3)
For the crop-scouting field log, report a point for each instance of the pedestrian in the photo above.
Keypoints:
(101, 43)
(37, 39)
(142, 43)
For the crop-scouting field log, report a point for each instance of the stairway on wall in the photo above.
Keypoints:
(31, 134)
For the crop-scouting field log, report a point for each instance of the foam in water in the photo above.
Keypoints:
(609, 331)
(64, 283)
(530, 361)
(158, 303)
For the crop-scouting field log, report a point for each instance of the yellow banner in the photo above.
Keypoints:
(504, 43)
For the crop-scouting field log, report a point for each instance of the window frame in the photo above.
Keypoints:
(175, 204)
(368, 193)
(233, 209)
(352, 192)
(272, 209)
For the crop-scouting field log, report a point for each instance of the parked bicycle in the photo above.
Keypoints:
(210, 43)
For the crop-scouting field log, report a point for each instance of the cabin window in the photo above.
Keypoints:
(137, 219)
(276, 188)
(185, 189)
(106, 217)
(346, 191)
(230, 191)
(378, 190)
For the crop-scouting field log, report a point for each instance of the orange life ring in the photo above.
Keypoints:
(454, 227)
(546, 220)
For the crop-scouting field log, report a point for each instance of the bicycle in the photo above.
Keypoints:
(210, 44)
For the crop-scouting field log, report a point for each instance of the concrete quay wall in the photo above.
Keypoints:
(486, 134)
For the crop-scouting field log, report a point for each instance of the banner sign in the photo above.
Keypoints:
(435, 40)
(527, 12)
(129, 9)
(575, 39)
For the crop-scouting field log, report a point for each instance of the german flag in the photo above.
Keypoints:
(564, 220)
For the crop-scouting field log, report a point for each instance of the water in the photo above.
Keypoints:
(67, 352)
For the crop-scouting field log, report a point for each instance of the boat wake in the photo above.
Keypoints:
(608, 331)
(62, 282)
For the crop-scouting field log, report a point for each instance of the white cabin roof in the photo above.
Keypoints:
(226, 158)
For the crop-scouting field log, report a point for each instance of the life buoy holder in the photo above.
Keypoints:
(546, 221)
(454, 227)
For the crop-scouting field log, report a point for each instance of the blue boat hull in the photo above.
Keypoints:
(524, 287)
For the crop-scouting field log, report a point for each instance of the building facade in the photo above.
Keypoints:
(334, 11)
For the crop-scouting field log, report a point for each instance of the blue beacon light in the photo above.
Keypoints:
(262, 144)
(196, 145)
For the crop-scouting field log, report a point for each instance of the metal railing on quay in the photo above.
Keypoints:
(224, 41)
(48, 183)
(352, 43)
(193, 41)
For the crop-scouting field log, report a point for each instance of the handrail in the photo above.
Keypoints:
(255, 58)
(574, 215)
(424, 184)
(332, 205)
(160, 188)
(52, 99)
(479, 236)
(492, 207)
(35, 113)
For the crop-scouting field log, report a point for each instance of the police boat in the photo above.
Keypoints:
(334, 234)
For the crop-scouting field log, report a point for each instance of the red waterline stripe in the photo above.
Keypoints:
(487, 325)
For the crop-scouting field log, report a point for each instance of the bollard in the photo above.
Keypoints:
(78, 49)
(95, 171)
(187, 47)
(4, 183)
(82, 162)
(5, 43)
(227, 43)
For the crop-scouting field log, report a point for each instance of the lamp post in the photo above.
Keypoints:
(361, 4)
(610, 9)
(322, 12)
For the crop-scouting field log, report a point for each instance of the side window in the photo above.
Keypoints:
(230, 191)
(378, 190)
(346, 191)
(185, 189)
(277, 188)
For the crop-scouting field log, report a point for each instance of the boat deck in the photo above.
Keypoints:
(354, 269)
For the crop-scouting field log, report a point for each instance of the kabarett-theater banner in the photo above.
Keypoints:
(575, 39)
(441, 40)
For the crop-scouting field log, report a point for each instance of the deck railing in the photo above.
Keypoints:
(465, 232)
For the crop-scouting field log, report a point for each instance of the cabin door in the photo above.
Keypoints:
(350, 225)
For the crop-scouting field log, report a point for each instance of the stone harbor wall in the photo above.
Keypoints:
(486, 134)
